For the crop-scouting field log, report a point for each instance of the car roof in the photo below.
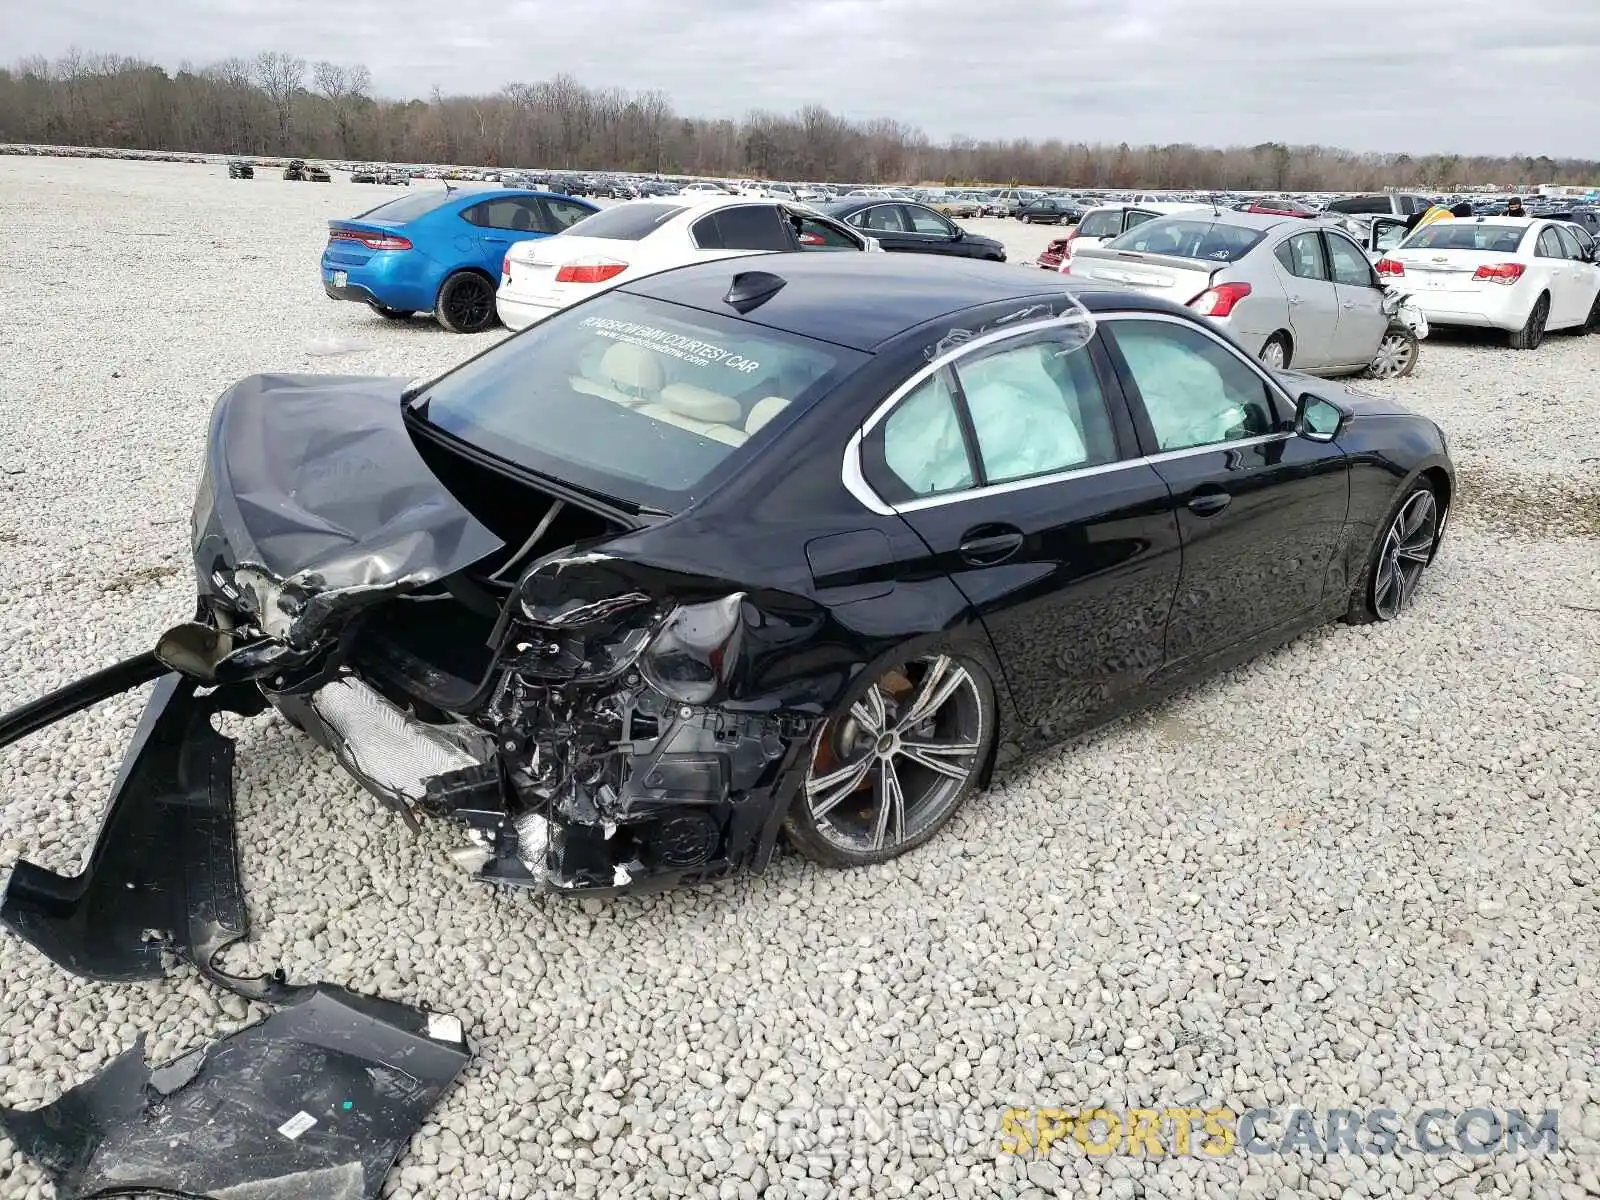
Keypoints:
(864, 300)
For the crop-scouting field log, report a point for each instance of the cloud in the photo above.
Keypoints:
(1476, 76)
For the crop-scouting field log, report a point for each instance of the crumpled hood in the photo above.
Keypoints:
(314, 481)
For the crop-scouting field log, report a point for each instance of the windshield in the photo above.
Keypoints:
(1190, 237)
(1102, 223)
(1467, 235)
(647, 402)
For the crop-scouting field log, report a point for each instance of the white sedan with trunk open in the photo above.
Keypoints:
(641, 237)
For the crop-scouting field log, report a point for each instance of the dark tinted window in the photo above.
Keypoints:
(406, 208)
(516, 213)
(1362, 204)
(627, 222)
(1189, 237)
(749, 227)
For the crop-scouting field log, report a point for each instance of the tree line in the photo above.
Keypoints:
(278, 104)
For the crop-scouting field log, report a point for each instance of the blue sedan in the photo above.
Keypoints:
(439, 252)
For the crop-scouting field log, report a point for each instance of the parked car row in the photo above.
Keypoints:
(1344, 293)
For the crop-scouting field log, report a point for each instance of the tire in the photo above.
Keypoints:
(843, 814)
(1275, 352)
(1532, 333)
(1400, 554)
(1397, 354)
(466, 303)
(392, 314)
(1592, 325)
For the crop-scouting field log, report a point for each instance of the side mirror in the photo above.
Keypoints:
(957, 234)
(1317, 419)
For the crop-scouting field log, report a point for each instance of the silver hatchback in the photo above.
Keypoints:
(1295, 292)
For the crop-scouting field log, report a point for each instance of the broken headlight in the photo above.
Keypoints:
(694, 656)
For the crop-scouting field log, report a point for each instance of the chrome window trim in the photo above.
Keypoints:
(853, 477)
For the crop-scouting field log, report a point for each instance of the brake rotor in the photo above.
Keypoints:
(896, 685)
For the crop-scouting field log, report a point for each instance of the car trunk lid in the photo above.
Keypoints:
(1167, 275)
(353, 243)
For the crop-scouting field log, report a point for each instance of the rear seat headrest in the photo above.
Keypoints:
(763, 411)
(632, 369)
(701, 403)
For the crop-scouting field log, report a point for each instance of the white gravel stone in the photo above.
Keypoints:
(1360, 871)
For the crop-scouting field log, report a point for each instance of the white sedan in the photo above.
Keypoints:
(1520, 274)
(641, 237)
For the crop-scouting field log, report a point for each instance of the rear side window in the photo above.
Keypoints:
(406, 208)
(627, 222)
(1301, 256)
(1102, 223)
(516, 213)
(749, 227)
(922, 444)
(565, 213)
(1550, 244)
(1036, 409)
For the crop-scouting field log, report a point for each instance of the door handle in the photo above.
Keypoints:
(1348, 304)
(988, 545)
(496, 241)
(1209, 504)
(1297, 300)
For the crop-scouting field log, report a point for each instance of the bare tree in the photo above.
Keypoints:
(280, 76)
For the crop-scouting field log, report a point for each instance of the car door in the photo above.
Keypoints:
(1586, 276)
(1569, 299)
(1260, 511)
(1015, 461)
(1301, 265)
(931, 233)
(503, 222)
(1362, 321)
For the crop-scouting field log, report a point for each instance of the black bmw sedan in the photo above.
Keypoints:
(915, 228)
(795, 549)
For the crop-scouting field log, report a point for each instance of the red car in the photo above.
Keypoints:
(1273, 206)
(1050, 257)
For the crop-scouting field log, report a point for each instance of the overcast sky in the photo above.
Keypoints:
(1464, 76)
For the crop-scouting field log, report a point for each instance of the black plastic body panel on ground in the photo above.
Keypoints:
(163, 876)
(314, 1103)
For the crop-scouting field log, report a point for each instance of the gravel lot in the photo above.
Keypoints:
(1362, 872)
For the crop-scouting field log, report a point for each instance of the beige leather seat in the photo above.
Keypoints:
(763, 411)
(710, 414)
(627, 374)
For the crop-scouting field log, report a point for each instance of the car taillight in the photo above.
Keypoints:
(1501, 273)
(1219, 301)
(591, 270)
(505, 267)
(372, 241)
(1389, 266)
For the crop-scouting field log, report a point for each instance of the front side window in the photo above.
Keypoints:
(921, 441)
(1195, 392)
(1036, 408)
(1350, 265)
(926, 221)
(1136, 217)
(1301, 256)
(634, 398)
(1569, 242)
(1101, 223)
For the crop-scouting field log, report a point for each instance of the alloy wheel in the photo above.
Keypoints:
(1407, 548)
(470, 303)
(1272, 355)
(900, 760)
(1397, 353)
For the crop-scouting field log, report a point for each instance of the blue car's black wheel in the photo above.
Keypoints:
(466, 303)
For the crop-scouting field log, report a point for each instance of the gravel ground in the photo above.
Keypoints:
(1362, 872)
